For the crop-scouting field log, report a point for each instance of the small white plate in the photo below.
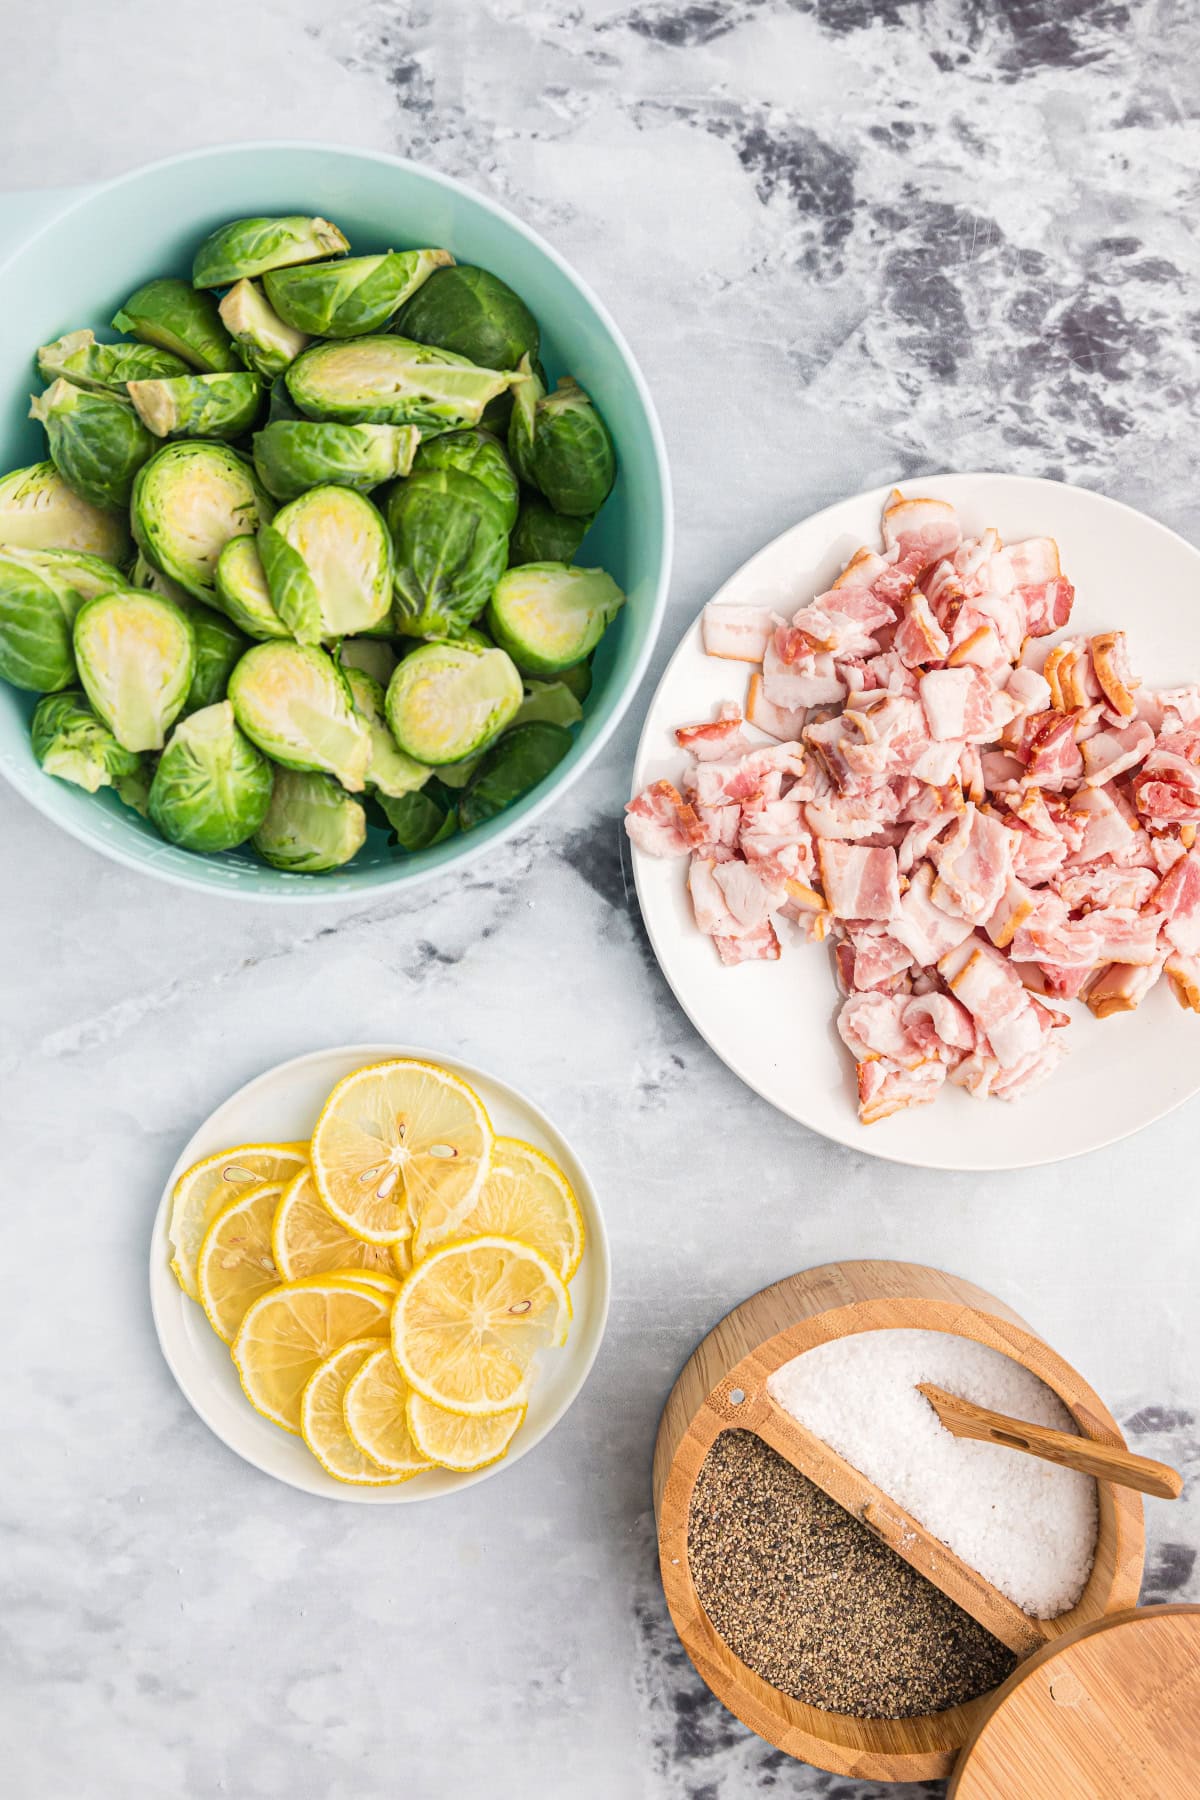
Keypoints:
(283, 1105)
(773, 1023)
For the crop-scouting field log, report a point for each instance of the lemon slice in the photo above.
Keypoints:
(287, 1332)
(524, 1195)
(469, 1320)
(235, 1264)
(207, 1187)
(323, 1424)
(398, 1143)
(380, 1281)
(461, 1443)
(376, 1418)
(402, 1256)
(308, 1240)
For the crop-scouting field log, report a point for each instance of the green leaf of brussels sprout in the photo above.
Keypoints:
(268, 346)
(242, 591)
(390, 771)
(199, 406)
(561, 446)
(294, 703)
(97, 441)
(247, 247)
(169, 314)
(548, 616)
(144, 575)
(475, 453)
(38, 511)
(135, 653)
(312, 825)
(418, 820)
(451, 545)
(389, 381)
(41, 591)
(104, 368)
(293, 455)
(71, 742)
(328, 561)
(578, 679)
(219, 649)
(352, 297)
(281, 405)
(188, 501)
(527, 390)
(374, 657)
(445, 701)
(548, 702)
(475, 314)
(523, 758)
(211, 789)
(542, 535)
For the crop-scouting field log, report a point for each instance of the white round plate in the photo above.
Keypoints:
(773, 1023)
(282, 1106)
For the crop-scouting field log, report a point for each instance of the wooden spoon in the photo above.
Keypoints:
(1107, 1462)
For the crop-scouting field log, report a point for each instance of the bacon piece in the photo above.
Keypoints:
(992, 992)
(842, 621)
(1110, 660)
(1014, 907)
(1105, 884)
(739, 779)
(924, 928)
(1110, 753)
(1069, 675)
(939, 1026)
(774, 840)
(873, 1025)
(1176, 900)
(1048, 749)
(735, 631)
(716, 737)
(928, 528)
(1183, 974)
(884, 1088)
(721, 827)
(660, 822)
(783, 723)
(1029, 690)
(919, 639)
(876, 958)
(973, 863)
(1107, 831)
(797, 684)
(713, 916)
(1168, 787)
(760, 945)
(1121, 987)
(859, 883)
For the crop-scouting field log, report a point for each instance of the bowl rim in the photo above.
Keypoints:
(494, 832)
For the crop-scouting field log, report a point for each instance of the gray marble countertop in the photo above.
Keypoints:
(848, 240)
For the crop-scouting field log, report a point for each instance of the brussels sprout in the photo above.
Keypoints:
(451, 545)
(294, 703)
(456, 775)
(328, 559)
(560, 445)
(211, 789)
(522, 759)
(198, 406)
(419, 820)
(548, 702)
(293, 455)
(475, 453)
(371, 655)
(267, 345)
(136, 656)
(219, 649)
(542, 535)
(579, 679)
(145, 575)
(134, 790)
(388, 381)
(104, 368)
(311, 825)
(390, 772)
(473, 313)
(252, 246)
(352, 297)
(548, 616)
(447, 700)
(242, 591)
(38, 511)
(40, 593)
(188, 501)
(281, 405)
(71, 742)
(97, 442)
(169, 314)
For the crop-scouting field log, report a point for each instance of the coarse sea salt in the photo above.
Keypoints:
(1027, 1526)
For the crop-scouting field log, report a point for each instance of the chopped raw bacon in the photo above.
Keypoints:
(738, 632)
(929, 527)
(719, 737)
(858, 883)
(760, 945)
(661, 823)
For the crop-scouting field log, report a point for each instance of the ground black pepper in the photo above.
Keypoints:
(811, 1600)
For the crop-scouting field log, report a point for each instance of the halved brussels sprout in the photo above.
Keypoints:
(169, 314)
(548, 702)
(242, 591)
(38, 511)
(328, 560)
(293, 455)
(97, 441)
(548, 616)
(281, 405)
(354, 296)
(542, 535)
(104, 368)
(522, 759)
(560, 445)
(527, 390)
(211, 789)
(389, 381)
(390, 772)
(447, 700)
(475, 314)
(219, 649)
(71, 742)
(372, 655)
(199, 406)
(479, 454)
(312, 825)
(188, 501)
(268, 346)
(451, 545)
(144, 575)
(294, 703)
(578, 678)
(247, 247)
(136, 657)
(419, 820)
(453, 776)
(40, 593)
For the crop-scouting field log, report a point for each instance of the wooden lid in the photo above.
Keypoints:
(1112, 1708)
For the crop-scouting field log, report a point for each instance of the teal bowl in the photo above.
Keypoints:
(79, 267)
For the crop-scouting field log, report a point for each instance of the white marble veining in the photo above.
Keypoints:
(848, 239)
